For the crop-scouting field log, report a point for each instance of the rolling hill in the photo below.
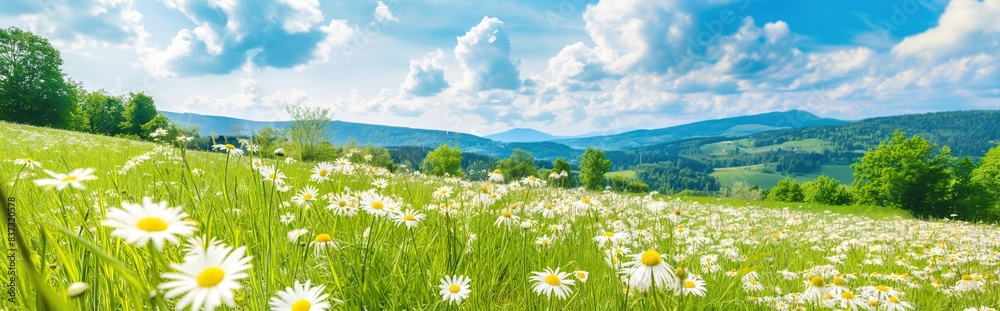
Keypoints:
(728, 127)
(521, 135)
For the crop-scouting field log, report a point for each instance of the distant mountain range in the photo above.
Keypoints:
(543, 145)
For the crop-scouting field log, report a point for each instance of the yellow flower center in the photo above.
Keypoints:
(609, 234)
(817, 281)
(585, 200)
(847, 295)
(323, 237)
(210, 277)
(230, 146)
(689, 284)
(651, 258)
(580, 275)
(506, 214)
(342, 203)
(301, 305)
(496, 171)
(454, 288)
(966, 277)
(151, 224)
(677, 212)
(893, 299)
(753, 282)
(378, 205)
(486, 190)
(27, 159)
(273, 176)
(839, 281)
(69, 178)
(323, 172)
(553, 280)
(882, 288)
(307, 197)
(532, 178)
(409, 218)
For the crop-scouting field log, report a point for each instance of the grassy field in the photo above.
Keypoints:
(811, 144)
(755, 174)
(368, 239)
(626, 174)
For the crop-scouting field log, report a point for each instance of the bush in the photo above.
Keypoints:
(637, 186)
(826, 190)
(787, 190)
(743, 191)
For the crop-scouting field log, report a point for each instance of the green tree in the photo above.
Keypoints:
(594, 164)
(308, 129)
(33, 89)
(159, 121)
(269, 139)
(558, 167)
(905, 173)
(969, 199)
(104, 113)
(443, 160)
(520, 164)
(826, 190)
(139, 110)
(986, 177)
(787, 190)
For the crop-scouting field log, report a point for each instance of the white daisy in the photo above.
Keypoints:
(301, 297)
(138, 224)
(455, 288)
(648, 269)
(61, 181)
(409, 217)
(229, 148)
(321, 172)
(550, 282)
(207, 277)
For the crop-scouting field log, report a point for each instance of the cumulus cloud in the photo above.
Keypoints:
(426, 77)
(383, 14)
(966, 27)
(252, 34)
(251, 98)
(82, 23)
(484, 54)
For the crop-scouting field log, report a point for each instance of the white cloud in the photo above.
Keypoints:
(484, 54)
(966, 27)
(251, 100)
(84, 23)
(383, 14)
(426, 76)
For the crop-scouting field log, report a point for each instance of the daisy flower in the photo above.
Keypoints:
(609, 236)
(692, 285)
(495, 176)
(321, 172)
(324, 241)
(815, 290)
(752, 286)
(551, 282)
(544, 241)
(307, 194)
(343, 204)
(377, 205)
(287, 218)
(581, 275)
(28, 162)
(301, 297)
(229, 148)
(207, 277)
(409, 217)
(139, 224)
(455, 288)
(848, 301)
(506, 219)
(272, 174)
(894, 304)
(380, 183)
(648, 269)
(343, 165)
(61, 181)
(531, 181)
(442, 193)
(295, 234)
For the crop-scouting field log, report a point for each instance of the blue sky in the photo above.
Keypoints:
(565, 67)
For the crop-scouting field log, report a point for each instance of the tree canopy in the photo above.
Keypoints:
(33, 88)
(594, 164)
(444, 160)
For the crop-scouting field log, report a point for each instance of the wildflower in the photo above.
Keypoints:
(544, 241)
(815, 290)
(531, 181)
(581, 275)
(409, 217)
(229, 148)
(301, 297)
(495, 176)
(377, 205)
(343, 204)
(848, 301)
(272, 174)
(550, 282)
(307, 194)
(60, 181)
(894, 304)
(158, 132)
(648, 269)
(455, 288)
(287, 218)
(692, 285)
(324, 241)
(506, 219)
(752, 286)
(289, 160)
(139, 224)
(295, 234)
(207, 277)
(968, 284)
(321, 172)
(28, 163)
(280, 152)
(442, 193)
(76, 289)
(380, 183)
(610, 236)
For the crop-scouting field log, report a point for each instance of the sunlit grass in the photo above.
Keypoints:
(377, 264)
